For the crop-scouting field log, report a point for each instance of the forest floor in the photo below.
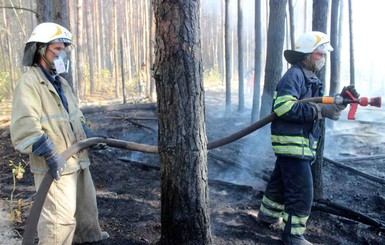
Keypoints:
(128, 183)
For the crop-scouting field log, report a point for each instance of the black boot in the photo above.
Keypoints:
(290, 239)
(268, 219)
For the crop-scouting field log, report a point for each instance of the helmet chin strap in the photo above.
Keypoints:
(51, 67)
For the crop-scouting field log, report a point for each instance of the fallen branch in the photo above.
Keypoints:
(354, 159)
(358, 172)
(140, 125)
(336, 209)
(133, 122)
(93, 109)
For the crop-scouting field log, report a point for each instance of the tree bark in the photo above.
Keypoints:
(275, 41)
(228, 56)
(80, 53)
(44, 11)
(257, 62)
(320, 12)
(115, 65)
(90, 47)
(9, 48)
(97, 46)
(335, 55)
(292, 27)
(152, 51)
(241, 86)
(351, 53)
(182, 132)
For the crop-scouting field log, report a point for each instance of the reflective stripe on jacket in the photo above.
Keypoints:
(295, 133)
(38, 109)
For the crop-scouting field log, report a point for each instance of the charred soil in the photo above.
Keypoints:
(128, 183)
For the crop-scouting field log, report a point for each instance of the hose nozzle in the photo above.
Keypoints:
(364, 101)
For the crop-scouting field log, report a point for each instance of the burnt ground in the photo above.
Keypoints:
(128, 183)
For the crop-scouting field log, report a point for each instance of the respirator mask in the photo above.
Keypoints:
(318, 64)
(61, 62)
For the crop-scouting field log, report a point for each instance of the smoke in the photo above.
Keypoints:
(363, 136)
(249, 156)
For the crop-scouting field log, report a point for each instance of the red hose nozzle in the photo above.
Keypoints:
(364, 101)
(376, 101)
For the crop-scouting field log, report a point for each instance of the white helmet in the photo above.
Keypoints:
(308, 43)
(47, 32)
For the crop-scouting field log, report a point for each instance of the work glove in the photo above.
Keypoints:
(44, 147)
(331, 111)
(351, 89)
(90, 133)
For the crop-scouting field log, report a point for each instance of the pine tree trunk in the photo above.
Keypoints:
(90, 46)
(351, 53)
(320, 12)
(335, 55)
(275, 41)
(241, 89)
(79, 53)
(182, 132)
(228, 56)
(257, 63)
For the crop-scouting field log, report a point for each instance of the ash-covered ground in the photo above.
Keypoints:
(128, 183)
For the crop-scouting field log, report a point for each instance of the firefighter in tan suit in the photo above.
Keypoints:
(46, 120)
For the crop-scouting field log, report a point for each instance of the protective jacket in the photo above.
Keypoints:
(38, 109)
(295, 133)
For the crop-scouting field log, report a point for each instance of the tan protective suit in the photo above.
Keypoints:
(70, 211)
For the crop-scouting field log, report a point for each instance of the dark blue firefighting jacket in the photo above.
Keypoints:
(295, 133)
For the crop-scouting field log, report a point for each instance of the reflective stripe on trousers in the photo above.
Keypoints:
(290, 189)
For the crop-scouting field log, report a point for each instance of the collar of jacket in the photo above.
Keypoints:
(306, 71)
(50, 77)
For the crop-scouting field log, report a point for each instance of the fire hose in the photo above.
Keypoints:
(31, 225)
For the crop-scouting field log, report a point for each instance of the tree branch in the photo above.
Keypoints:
(19, 8)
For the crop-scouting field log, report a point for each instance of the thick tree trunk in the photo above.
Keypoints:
(275, 40)
(182, 132)
(320, 14)
(44, 10)
(60, 14)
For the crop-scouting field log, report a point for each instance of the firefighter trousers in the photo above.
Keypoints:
(70, 211)
(289, 194)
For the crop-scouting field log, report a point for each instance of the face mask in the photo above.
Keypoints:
(61, 63)
(318, 64)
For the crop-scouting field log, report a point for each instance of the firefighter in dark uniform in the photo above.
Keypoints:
(294, 135)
